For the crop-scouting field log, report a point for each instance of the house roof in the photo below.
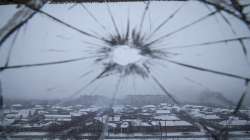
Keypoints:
(166, 117)
(162, 111)
(171, 123)
(235, 122)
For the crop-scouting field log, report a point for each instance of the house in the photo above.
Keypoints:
(236, 124)
(162, 111)
(62, 118)
(168, 117)
(211, 117)
(208, 117)
(149, 108)
(124, 127)
(173, 126)
(112, 127)
(141, 126)
(6, 122)
(114, 118)
(135, 125)
(17, 106)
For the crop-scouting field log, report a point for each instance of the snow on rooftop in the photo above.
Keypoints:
(145, 124)
(30, 134)
(166, 117)
(43, 112)
(26, 112)
(236, 122)
(124, 125)
(222, 110)
(163, 104)
(91, 109)
(118, 108)
(17, 105)
(58, 117)
(12, 116)
(171, 123)
(161, 111)
(204, 116)
(193, 106)
(115, 118)
(77, 114)
(149, 106)
(88, 123)
(101, 119)
(137, 122)
(113, 125)
(210, 117)
(47, 123)
(7, 122)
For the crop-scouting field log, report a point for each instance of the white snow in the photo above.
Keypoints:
(166, 117)
(149, 106)
(235, 122)
(17, 105)
(171, 123)
(161, 111)
(89, 123)
(90, 109)
(58, 117)
(77, 114)
(124, 125)
(117, 108)
(211, 117)
(115, 118)
(113, 125)
(30, 134)
(6, 122)
(207, 117)
(145, 124)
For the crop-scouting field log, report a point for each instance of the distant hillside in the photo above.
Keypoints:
(211, 98)
(141, 100)
(88, 100)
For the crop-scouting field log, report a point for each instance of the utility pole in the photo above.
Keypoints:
(1, 112)
(160, 129)
(1, 102)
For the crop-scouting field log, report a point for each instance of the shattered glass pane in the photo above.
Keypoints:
(125, 70)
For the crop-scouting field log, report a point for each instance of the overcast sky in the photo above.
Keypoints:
(43, 40)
